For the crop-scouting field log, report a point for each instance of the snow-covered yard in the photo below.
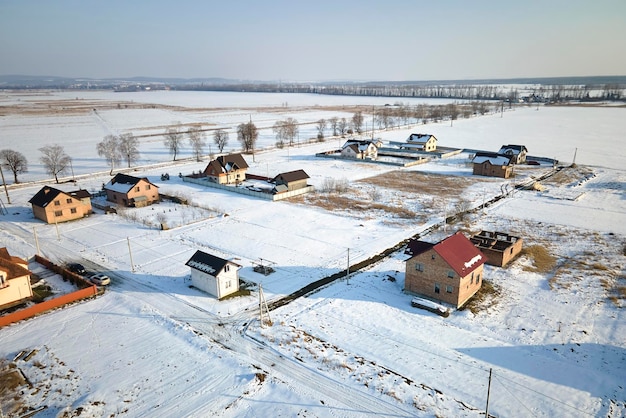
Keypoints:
(554, 339)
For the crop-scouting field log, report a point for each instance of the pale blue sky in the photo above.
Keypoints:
(313, 40)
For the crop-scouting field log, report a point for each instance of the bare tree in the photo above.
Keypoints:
(334, 122)
(196, 140)
(174, 139)
(128, 148)
(342, 126)
(220, 137)
(109, 149)
(452, 110)
(15, 161)
(285, 130)
(320, 125)
(54, 159)
(247, 135)
(357, 122)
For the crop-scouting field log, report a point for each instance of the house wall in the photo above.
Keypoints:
(435, 271)
(63, 208)
(430, 145)
(226, 283)
(295, 185)
(486, 169)
(14, 290)
(502, 258)
(348, 152)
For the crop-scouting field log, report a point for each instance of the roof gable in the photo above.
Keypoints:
(421, 138)
(44, 196)
(208, 263)
(460, 254)
(11, 265)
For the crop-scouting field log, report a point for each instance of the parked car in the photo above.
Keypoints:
(100, 279)
(77, 268)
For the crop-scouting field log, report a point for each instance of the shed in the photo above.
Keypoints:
(214, 275)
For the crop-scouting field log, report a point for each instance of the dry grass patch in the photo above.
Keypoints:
(339, 203)
(420, 183)
(543, 261)
(487, 296)
(568, 175)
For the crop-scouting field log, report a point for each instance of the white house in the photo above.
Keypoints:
(359, 149)
(213, 274)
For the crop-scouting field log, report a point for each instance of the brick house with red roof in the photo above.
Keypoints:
(449, 271)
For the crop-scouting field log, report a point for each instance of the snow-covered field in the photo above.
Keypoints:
(151, 346)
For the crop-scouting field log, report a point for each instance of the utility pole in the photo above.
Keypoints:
(348, 269)
(263, 304)
(36, 240)
(488, 391)
(132, 265)
(5, 185)
(573, 162)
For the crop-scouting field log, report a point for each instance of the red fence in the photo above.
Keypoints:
(87, 290)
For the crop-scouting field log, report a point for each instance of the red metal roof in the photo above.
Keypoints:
(460, 254)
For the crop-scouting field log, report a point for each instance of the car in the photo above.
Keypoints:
(100, 279)
(77, 268)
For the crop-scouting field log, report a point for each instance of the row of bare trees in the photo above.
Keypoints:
(53, 158)
(174, 138)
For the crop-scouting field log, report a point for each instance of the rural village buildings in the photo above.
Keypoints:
(14, 280)
(449, 271)
(227, 169)
(499, 247)
(131, 191)
(52, 205)
(214, 275)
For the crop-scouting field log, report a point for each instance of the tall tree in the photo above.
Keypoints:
(129, 148)
(220, 137)
(173, 140)
(334, 122)
(357, 122)
(247, 135)
(286, 130)
(342, 126)
(321, 126)
(196, 140)
(54, 159)
(109, 149)
(15, 161)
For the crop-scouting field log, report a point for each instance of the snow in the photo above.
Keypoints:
(154, 346)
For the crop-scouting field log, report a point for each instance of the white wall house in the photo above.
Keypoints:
(214, 275)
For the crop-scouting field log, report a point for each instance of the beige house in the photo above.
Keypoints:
(131, 191)
(492, 165)
(449, 271)
(422, 142)
(499, 248)
(214, 275)
(360, 149)
(227, 169)
(52, 205)
(292, 180)
(14, 280)
(516, 152)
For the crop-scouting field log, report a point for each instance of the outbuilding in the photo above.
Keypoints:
(214, 275)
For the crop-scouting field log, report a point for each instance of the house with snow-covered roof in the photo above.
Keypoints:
(449, 271)
(213, 275)
(359, 149)
(227, 169)
(131, 191)
(492, 164)
(516, 152)
(421, 142)
(52, 205)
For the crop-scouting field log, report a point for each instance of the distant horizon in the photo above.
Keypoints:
(395, 40)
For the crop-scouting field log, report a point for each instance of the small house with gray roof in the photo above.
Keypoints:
(131, 191)
(214, 275)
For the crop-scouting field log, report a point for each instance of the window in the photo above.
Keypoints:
(57, 203)
(472, 279)
(226, 268)
(58, 213)
(73, 210)
(228, 284)
(511, 251)
(432, 257)
(148, 187)
(419, 267)
(68, 200)
(451, 274)
(478, 279)
(137, 188)
(449, 289)
(437, 288)
(3, 281)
